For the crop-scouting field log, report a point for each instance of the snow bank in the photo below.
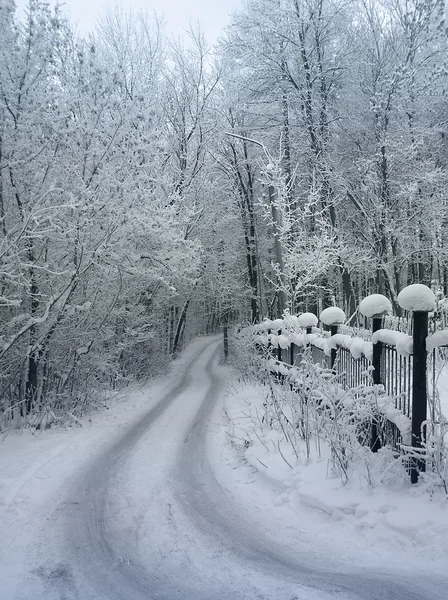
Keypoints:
(307, 320)
(332, 316)
(437, 339)
(375, 305)
(401, 341)
(417, 297)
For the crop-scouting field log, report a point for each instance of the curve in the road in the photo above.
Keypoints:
(207, 504)
(185, 501)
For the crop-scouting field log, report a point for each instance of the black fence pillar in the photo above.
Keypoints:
(419, 390)
(291, 354)
(377, 323)
(226, 342)
(279, 350)
(269, 341)
(333, 331)
(308, 331)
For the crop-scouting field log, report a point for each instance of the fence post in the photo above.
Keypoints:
(375, 307)
(333, 331)
(377, 323)
(332, 317)
(279, 350)
(419, 390)
(419, 299)
(291, 354)
(226, 342)
(269, 331)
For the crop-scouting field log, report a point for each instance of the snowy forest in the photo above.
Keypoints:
(154, 189)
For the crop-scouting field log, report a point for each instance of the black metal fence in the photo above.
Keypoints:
(351, 372)
(396, 377)
(403, 377)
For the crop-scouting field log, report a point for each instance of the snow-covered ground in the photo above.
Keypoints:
(149, 499)
(396, 525)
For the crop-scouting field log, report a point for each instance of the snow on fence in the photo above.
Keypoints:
(397, 360)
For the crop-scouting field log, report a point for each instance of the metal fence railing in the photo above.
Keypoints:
(400, 363)
(352, 372)
(396, 377)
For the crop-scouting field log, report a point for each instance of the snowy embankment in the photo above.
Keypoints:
(382, 520)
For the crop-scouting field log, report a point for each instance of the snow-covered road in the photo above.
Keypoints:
(154, 514)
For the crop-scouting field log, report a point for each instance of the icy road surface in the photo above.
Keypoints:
(149, 516)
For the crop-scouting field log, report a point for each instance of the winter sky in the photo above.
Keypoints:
(212, 14)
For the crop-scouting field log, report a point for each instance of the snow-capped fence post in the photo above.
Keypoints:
(308, 321)
(420, 300)
(332, 317)
(268, 333)
(419, 389)
(279, 350)
(377, 323)
(333, 351)
(375, 307)
(226, 342)
(291, 353)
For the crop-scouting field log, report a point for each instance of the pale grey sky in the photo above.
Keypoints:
(212, 14)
